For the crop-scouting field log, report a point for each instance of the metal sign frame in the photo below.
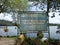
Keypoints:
(32, 12)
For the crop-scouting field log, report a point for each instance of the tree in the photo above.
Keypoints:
(17, 4)
(1, 6)
(58, 1)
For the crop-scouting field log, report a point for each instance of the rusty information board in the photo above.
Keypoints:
(33, 21)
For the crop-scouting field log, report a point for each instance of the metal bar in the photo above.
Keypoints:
(48, 3)
(35, 31)
(31, 12)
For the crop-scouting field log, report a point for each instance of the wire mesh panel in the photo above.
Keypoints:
(33, 21)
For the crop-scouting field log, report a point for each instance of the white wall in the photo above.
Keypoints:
(53, 33)
(11, 31)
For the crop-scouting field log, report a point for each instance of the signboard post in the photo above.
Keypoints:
(33, 21)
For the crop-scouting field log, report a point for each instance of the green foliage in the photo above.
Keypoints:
(51, 40)
(54, 24)
(40, 35)
(58, 1)
(17, 4)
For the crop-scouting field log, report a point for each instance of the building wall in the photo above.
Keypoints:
(53, 33)
(12, 31)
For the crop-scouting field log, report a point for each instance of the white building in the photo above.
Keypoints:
(12, 31)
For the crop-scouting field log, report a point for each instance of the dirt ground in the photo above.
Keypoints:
(7, 41)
